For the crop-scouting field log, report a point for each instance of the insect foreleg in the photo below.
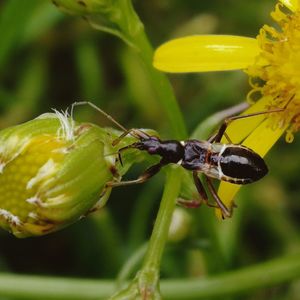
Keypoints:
(142, 178)
(137, 133)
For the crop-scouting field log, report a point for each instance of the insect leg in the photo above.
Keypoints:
(221, 132)
(226, 213)
(194, 203)
(142, 178)
(137, 133)
(121, 150)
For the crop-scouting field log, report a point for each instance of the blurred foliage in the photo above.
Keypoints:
(49, 60)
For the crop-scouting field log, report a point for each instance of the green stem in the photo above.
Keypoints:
(131, 264)
(148, 277)
(160, 82)
(271, 273)
(164, 91)
(146, 282)
(131, 30)
(161, 227)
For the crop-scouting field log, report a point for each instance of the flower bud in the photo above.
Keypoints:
(52, 172)
(180, 225)
(83, 7)
(116, 17)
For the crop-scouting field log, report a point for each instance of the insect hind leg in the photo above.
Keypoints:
(226, 212)
(195, 203)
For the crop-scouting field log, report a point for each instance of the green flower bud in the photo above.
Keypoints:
(116, 17)
(52, 172)
(180, 225)
(83, 7)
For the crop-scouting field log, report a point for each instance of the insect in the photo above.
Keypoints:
(233, 163)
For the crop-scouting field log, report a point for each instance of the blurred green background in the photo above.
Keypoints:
(49, 60)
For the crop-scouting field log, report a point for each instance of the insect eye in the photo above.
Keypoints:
(152, 150)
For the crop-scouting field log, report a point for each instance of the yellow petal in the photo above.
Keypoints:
(202, 53)
(293, 5)
(239, 129)
(264, 137)
(261, 140)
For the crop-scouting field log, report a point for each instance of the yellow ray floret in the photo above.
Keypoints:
(206, 53)
(261, 140)
(293, 5)
(276, 71)
(272, 62)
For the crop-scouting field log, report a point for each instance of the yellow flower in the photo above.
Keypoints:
(272, 61)
(52, 172)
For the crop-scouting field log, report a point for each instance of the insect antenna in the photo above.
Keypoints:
(109, 117)
(139, 134)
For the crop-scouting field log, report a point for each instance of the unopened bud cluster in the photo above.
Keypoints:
(117, 17)
(83, 7)
(52, 172)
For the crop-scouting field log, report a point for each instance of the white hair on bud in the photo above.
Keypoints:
(66, 131)
(9, 217)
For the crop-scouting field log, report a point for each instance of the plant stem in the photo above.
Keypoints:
(146, 282)
(148, 276)
(266, 274)
(164, 90)
(271, 273)
(161, 84)
(131, 30)
(163, 220)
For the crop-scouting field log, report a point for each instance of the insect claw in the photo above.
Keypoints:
(120, 159)
(234, 205)
(193, 203)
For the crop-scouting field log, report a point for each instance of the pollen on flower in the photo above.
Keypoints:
(276, 71)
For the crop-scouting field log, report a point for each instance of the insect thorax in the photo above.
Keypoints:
(196, 154)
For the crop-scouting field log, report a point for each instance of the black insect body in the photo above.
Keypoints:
(228, 162)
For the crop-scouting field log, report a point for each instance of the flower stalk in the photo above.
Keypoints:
(119, 18)
(283, 270)
(146, 283)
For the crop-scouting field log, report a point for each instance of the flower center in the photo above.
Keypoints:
(15, 178)
(277, 69)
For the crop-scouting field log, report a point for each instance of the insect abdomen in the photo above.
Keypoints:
(241, 165)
